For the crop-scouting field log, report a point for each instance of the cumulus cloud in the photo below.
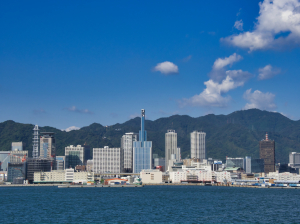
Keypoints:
(278, 24)
(259, 100)
(81, 111)
(70, 129)
(239, 25)
(166, 68)
(222, 62)
(267, 72)
(216, 87)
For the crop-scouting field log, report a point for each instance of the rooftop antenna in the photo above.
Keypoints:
(35, 151)
(267, 137)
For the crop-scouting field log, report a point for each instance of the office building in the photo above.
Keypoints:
(60, 162)
(89, 165)
(108, 160)
(142, 150)
(16, 170)
(247, 164)
(47, 145)
(37, 165)
(159, 162)
(257, 165)
(151, 176)
(127, 146)
(18, 156)
(4, 160)
(170, 146)
(198, 150)
(17, 146)
(294, 159)
(267, 152)
(235, 162)
(75, 155)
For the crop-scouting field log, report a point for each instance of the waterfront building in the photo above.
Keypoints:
(159, 162)
(16, 170)
(47, 145)
(63, 176)
(247, 164)
(108, 160)
(151, 176)
(267, 152)
(294, 159)
(142, 149)
(170, 146)
(4, 160)
(60, 162)
(37, 165)
(17, 146)
(75, 155)
(284, 176)
(127, 146)
(198, 150)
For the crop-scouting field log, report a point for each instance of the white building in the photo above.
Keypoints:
(127, 146)
(108, 160)
(284, 176)
(63, 176)
(17, 146)
(294, 159)
(74, 155)
(170, 147)
(247, 164)
(151, 176)
(89, 165)
(198, 150)
(221, 177)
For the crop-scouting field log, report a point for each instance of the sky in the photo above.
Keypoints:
(68, 64)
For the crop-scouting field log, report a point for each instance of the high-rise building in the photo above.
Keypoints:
(60, 162)
(17, 146)
(170, 147)
(198, 150)
(257, 166)
(47, 145)
(4, 160)
(35, 142)
(247, 164)
(142, 150)
(108, 160)
(127, 146)
(235, 162)
(267, 152)
(294, 159)
(75, 155)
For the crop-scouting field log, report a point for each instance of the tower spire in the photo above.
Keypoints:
(35, 142)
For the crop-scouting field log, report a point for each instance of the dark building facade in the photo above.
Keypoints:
(37, 165)
(16, 170)
(267, 152)
(257, 165)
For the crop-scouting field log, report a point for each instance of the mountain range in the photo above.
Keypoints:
(233, 135)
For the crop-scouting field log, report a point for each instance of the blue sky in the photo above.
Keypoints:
(73, 63)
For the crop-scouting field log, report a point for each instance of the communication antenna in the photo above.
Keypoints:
(35, 151)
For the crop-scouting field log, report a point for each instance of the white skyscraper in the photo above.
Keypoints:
(198, 150)
(127, 146)
(294, 159)
(170, 147)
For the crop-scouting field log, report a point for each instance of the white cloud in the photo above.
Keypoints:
(82, 111)
(186, 59)
(222, 62)
(259, 100)
(70, 128)
(166, 68)
(239, 25)
(267, 72)
(278, 24)
(212, 95)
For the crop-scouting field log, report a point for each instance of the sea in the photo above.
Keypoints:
(149, 204)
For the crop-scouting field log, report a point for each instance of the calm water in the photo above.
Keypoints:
(154, 204)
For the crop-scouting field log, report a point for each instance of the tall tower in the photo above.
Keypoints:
(127, 146)
(198, 150)
(170, 147)
(142, 149)
(35, 142)
(47, 145)
(267, 152)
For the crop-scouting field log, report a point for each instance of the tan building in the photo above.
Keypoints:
(47, 145)
(267, 152)
(151, 176)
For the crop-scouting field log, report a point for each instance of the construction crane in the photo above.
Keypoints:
(4, 159)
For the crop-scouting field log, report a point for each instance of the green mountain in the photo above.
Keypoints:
(234, 135)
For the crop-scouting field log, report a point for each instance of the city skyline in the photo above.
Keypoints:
(62, 69)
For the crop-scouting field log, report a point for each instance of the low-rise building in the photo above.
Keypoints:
(63, 176)
(151, 176)
(284, 176)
